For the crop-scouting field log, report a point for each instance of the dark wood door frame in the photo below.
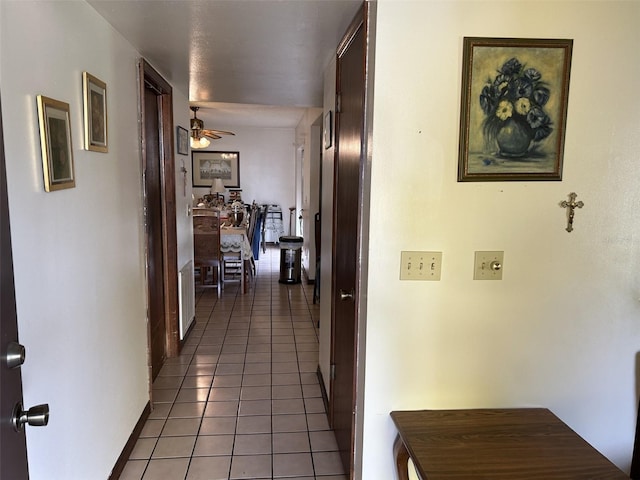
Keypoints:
(149, 77)
(362, 29)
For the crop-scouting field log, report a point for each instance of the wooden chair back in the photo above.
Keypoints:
(206, 239)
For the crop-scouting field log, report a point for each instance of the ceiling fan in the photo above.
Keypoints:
(199, 134)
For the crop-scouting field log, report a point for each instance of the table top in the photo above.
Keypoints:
(519, 443)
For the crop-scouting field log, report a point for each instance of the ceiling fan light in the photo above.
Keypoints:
(202, 142)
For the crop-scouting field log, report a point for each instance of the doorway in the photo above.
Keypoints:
(158, 173)
(350, 217)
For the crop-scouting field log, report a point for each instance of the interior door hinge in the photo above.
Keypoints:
(332, 371)
(338, 103)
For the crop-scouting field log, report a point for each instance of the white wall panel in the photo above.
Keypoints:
(561, 329)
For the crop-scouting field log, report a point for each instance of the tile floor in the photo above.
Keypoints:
(243, 400)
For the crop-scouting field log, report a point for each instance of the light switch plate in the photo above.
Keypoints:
(488, 266)
(420, 265)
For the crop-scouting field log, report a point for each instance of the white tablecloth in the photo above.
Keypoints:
(234, 239)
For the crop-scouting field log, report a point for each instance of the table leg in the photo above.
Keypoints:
(402, 459)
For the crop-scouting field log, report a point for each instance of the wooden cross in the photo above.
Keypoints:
(571, 205)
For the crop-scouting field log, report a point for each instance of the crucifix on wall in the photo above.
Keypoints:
(571, 205)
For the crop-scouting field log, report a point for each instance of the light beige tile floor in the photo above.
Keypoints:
(243, 400)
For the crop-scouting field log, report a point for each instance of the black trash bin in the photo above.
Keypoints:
(290, 259)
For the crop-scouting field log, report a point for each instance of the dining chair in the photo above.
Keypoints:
(233, 263)
(254, 215)
(206, 247)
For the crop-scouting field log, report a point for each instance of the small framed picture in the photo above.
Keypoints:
(55, 143)
(182, 139)
(207, 166)
(514, 108)
(95, 113)
(328, 130)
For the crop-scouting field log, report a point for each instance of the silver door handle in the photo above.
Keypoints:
(15, 355)
(346, 295)
(37, 416)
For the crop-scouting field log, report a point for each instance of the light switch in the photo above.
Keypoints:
(420, 265)
(488, 266)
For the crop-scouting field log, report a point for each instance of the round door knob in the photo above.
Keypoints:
(15, 355)
(37, 416)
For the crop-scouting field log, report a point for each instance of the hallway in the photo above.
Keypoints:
(243, 400)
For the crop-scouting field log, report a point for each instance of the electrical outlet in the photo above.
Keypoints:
(488, 266)
(420, 265)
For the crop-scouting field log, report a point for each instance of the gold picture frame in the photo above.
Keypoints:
(55, 143)
(513, 109)
(95, 113)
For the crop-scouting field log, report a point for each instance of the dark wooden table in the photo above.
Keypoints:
(515, 444)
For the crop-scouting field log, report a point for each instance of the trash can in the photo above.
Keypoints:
(290, 259)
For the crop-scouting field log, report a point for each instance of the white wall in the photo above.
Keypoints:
(326, 240)
(184, 226)
(561, 329)
(78, 253)
(267, 165)
(308, 135)
(184, 190)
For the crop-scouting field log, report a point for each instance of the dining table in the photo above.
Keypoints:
(494, 444)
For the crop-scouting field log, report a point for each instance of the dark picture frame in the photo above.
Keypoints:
(207, 166)
(513, 108)
(182, 140)
(55, 143)
(95, 113)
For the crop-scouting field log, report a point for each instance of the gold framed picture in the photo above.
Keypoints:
(95, 113)
(514, 108)
(55, 143)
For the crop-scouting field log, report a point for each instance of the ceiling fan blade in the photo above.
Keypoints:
(217, 132)
(210, 134)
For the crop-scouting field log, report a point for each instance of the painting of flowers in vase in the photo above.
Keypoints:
(513, 112)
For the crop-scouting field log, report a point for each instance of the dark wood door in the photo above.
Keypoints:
(155, 260)
(160, 215)
(13, 446)
(349, 162)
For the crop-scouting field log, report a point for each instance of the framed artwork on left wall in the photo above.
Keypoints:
(182, 140)
(95, 113)
(55, 143)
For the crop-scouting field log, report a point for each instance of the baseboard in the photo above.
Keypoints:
(305, 274)
(128, 448)
(323, 391)
(186, 334)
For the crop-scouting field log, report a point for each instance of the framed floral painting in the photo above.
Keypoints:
(514, 108)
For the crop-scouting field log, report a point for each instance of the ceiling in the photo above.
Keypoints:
(244, 62)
